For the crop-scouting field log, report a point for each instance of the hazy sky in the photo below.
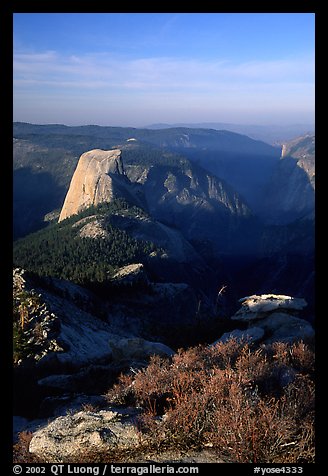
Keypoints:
(142, 68)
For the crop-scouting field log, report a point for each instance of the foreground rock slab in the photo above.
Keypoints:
(71, 435)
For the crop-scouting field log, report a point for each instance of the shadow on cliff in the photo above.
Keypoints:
(201, 210)
(34, 195)
(289, 195)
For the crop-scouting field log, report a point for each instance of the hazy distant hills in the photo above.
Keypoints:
(206, 138)
(170, 136)
(272, 134)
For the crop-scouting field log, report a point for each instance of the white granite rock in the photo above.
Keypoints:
(257, 306)
(71, 435)
(94, 181)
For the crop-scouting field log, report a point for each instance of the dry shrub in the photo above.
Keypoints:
(297, 355)
(250, 428)
(224, 354)
(302, 358)
(89, 407)
(218, 396)
(21, 452)
(122, 393)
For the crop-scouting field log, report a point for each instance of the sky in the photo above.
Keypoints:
(136, 69)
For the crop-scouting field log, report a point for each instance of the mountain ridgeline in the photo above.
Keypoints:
(198, 206)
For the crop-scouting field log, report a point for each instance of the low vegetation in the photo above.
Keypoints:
(244, 404)
(250, 406)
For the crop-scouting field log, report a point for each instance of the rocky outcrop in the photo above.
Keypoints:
(110, 431)
(132, 274)
(271, 318)
(83, 352)
(255, 307)
(91, 348)
(99, 177)
(93, 228)
(72, 435)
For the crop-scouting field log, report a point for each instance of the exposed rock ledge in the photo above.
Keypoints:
(110, 431)
(70, 435)
(270, 318)
(255, 307)
(75, 341)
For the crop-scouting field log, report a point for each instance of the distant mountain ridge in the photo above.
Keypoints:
(272, 134)
(170, 136)
(49, 154)
(45, 157)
